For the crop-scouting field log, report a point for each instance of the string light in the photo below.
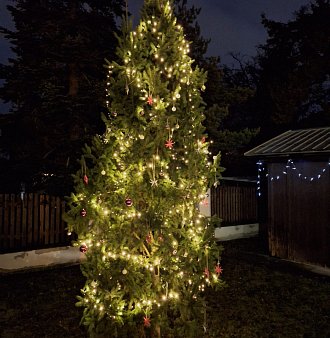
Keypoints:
(288, 168)
(160, 169)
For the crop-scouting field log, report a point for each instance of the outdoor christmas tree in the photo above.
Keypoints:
(150, 253)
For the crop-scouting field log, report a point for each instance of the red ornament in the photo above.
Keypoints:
(83, 213)
(146, 322)
(203, 139)
(149, 238)
(169, 144)
(218, 269)
(85, 179)
(205, 202)
(83, 248)
(150, 101)
(128, 202)
(206, 272)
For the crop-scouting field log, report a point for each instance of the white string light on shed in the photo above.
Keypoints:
(290, 166)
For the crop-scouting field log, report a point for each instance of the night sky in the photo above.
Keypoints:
(233, 25)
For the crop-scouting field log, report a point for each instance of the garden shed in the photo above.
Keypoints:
(294, 193)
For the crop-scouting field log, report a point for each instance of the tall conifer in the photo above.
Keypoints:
(150, 252)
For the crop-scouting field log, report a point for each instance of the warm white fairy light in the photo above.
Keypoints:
(185, 211)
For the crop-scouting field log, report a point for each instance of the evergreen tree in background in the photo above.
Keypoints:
(58, 67)
(149, 252)
(294, 71)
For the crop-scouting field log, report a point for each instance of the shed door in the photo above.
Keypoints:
(299, 211)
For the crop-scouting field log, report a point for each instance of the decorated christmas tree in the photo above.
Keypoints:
(150, 253)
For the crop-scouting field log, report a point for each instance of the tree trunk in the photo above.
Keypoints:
(73, 79)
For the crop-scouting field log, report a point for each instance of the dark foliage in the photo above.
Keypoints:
(56, 86)
(293, 89)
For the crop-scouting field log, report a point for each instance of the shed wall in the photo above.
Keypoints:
(299, 212)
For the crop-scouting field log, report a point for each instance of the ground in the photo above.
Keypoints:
(263, 298)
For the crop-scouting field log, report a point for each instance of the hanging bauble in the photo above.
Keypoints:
(85, 179)
(203, 139)
(149, 238)
(128, 202)
(161, 173)
(160, 238)
(83, 248)
(83, 212)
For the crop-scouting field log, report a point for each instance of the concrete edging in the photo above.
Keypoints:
(236, 232)
(17, 261)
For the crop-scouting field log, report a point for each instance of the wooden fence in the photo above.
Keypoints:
(234, 204)
(31, 221)
(34, 221)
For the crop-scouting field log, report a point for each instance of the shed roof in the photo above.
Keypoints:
(315, 141)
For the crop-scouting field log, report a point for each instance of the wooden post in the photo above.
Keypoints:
(2, 228)
(12, 220)
(46, 218)
(29, 206)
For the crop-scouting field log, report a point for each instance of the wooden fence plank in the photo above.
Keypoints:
(52, 206)
(41, 219)
(63, 235)
(6, 221)
(29, 206)
(58, 219)
(18, 222)
(11, 210)
(2, 224)
(24, 221)
(46, 219)
(35, 210)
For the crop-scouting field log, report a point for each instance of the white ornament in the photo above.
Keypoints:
(154, 183)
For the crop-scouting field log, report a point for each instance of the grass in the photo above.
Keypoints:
(263, 298)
